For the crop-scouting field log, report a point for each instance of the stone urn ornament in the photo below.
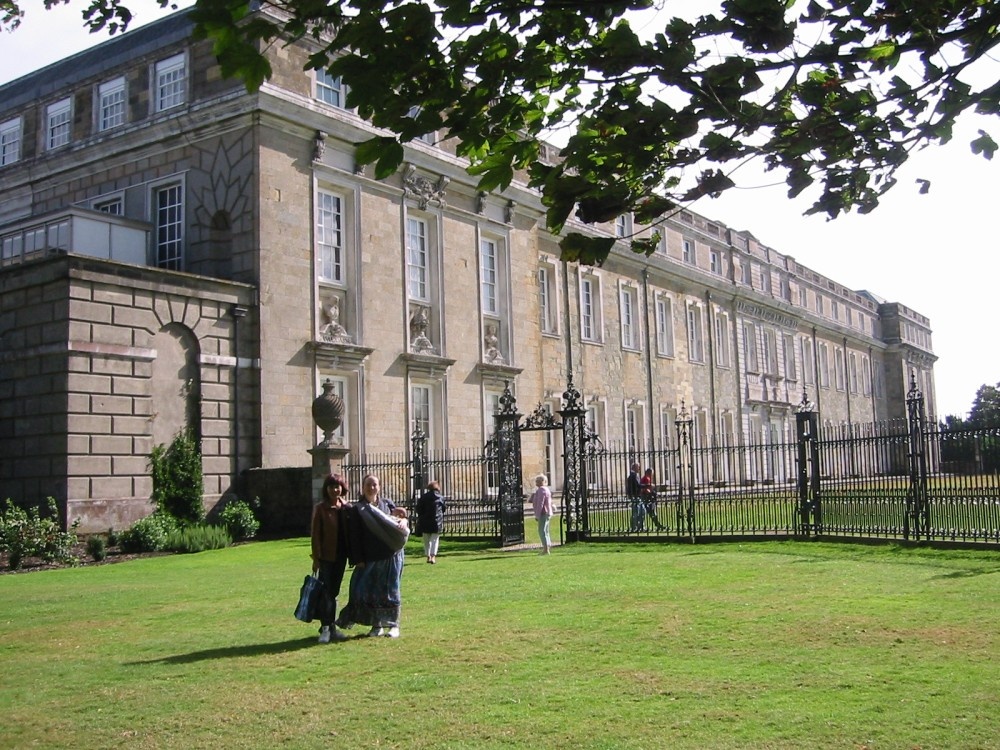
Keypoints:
(328, 412)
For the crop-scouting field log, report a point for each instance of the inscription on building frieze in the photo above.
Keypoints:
(765, 314)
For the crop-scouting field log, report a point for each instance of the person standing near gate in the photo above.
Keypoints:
(430, 519)
(541, 503)
(633, 490)
(329, 552)
(648, 491)
(377, 555)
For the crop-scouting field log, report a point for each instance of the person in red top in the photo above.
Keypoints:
(329, 553)
(648, 493)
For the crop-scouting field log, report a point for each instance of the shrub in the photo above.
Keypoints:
(112, 538)
(197, 538)
(148, 534)
(177, 479)
(27, 534)
(97, 547)
(239, 520)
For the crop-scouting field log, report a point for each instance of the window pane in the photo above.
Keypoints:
(169, 227)
(329, 237)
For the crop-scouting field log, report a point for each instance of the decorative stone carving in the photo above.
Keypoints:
(424, 190)
(319, 145)
(328, 412)
(332, 331)
(419, 323)
(480, 202)
(491, 346)
(508, 214)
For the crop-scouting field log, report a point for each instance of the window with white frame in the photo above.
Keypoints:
(111, 206)
(633, 432)
(590, 309)
(329, 237)
(788, 352)
(808, 362)
(746, 272)
(664, 326)
(877, 379)
(866, 375)
(819, 304)
(629, 310)
(715, 261)
(489, 276)
(824, 365)
(668, 427)
(770, 352)
(850, 316)
(621, 226)
(852, 372)
(765, 279)
(58, 119)
(838, 368)
(168, 204)
(170, 83)
(722, 339)
(803, 297)
(422, 409)
(835, 310)
(750, 361)
(688, 252)
(696, 333)
(548, 299)
(331, 90)
(10, 141)
(111, 104)
(417, 261)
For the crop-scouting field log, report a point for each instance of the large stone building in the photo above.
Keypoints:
(179, 252)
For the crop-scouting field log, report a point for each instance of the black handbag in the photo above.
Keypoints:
(309, 599)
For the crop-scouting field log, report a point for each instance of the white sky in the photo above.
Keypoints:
(935, 253)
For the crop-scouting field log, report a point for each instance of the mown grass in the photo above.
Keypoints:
(765, 645)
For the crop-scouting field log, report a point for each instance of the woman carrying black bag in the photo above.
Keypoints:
(329, 553)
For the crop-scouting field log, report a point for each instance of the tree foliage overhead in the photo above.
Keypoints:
(654, 110)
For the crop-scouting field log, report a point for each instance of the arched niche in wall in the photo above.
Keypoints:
(176, 383)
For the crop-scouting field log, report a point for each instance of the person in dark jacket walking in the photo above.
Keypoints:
(329, 552)
(430, 519)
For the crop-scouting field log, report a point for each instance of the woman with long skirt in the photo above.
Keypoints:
(375, 546)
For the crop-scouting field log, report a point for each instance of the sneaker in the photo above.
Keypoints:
(376, 631)
(324, 634)
(392, 632)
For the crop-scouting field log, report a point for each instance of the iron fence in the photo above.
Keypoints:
(467, 479)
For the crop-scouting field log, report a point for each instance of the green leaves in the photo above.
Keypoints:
(385, 151)
(586, 250)
(644, 114)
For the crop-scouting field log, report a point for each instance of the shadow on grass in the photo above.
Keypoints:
(231, 652)
(968, 573)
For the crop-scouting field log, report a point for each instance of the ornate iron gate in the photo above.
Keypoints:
(507, 445)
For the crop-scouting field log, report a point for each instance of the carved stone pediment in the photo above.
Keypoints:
(424, 190)
(340, 355)
(428, 365)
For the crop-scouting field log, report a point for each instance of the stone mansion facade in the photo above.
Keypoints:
(176, 251)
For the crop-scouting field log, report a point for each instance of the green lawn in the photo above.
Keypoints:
(764, 645)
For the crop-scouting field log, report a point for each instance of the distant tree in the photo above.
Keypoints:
(985, 410)
(834, 94)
